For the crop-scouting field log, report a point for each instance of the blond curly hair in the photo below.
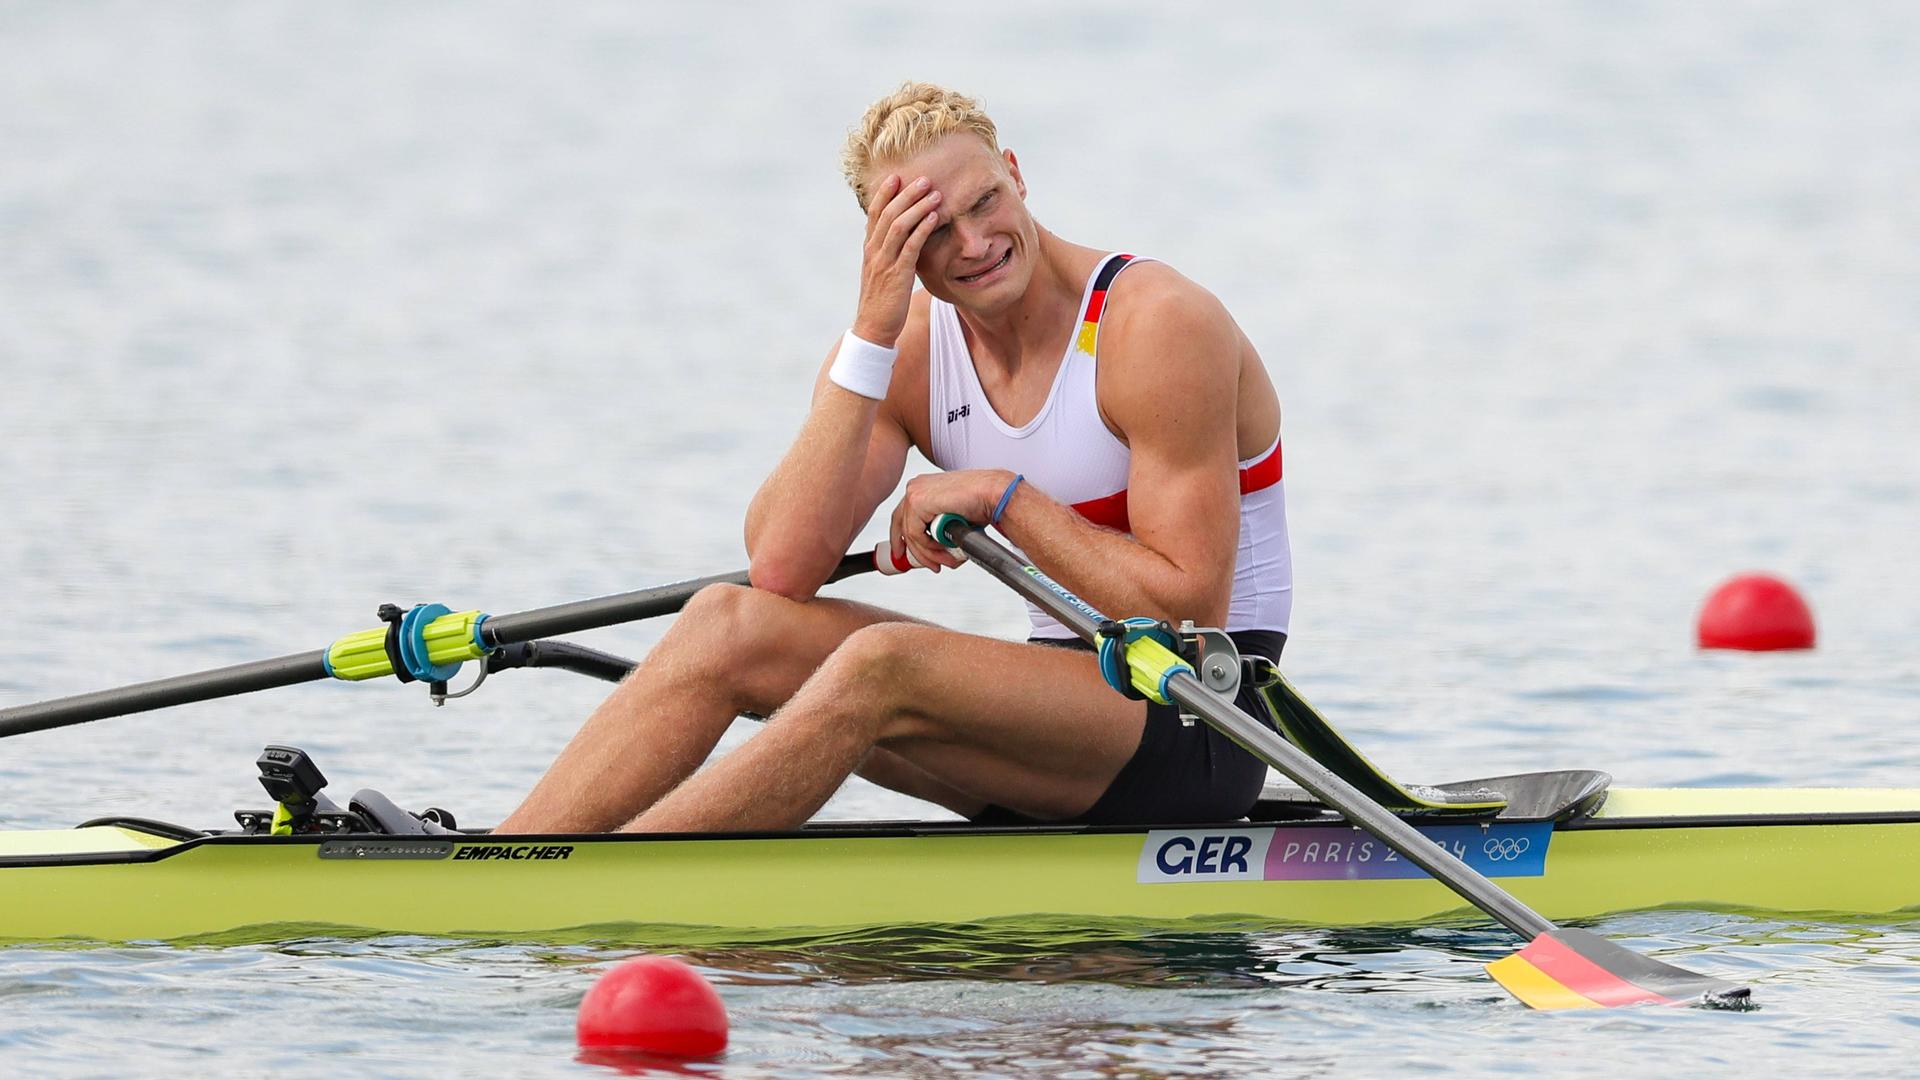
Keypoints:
(906, 122)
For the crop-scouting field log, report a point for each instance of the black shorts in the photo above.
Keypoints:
(1179, 774)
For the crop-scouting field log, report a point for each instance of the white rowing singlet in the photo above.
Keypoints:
(1067, 452)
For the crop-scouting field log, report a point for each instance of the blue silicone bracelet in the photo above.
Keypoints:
(1005, 498)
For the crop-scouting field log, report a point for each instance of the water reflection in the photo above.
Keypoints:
(1009, 997)
(1119, 953)
(640, 1063)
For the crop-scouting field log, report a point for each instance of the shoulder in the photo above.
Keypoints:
(1148, 292)
(1156, 319)
(1164, 339)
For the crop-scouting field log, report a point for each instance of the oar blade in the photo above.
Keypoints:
(1575, 969)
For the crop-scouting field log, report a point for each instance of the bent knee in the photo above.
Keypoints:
(721, 601)
(885, 650)
(736, 616)
(876, 671)
(724, 623)
(760, 646)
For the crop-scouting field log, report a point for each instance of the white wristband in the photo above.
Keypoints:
(863, 367)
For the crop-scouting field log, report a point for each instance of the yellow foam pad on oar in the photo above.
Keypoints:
(449, 639)
(1148, 664)
(359, 656)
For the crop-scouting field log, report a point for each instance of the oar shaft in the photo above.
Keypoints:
(1332, 791)
(311, 667)
(162, 693)
(602, 611)
(1083, 619)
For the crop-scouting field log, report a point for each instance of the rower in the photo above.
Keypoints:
(1098, 408)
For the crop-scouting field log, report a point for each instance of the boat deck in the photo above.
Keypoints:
(1624, 807)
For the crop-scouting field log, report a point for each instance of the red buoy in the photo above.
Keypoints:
(1756, 612)
(654, 1005)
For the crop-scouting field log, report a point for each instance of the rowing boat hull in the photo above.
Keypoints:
(1846, 851)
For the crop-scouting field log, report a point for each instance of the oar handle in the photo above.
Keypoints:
(1227, 718)
(313, 666)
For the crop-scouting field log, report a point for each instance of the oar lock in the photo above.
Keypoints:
(425, 643)
(1138, 656)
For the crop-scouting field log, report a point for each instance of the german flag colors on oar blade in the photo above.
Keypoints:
(1574, 969)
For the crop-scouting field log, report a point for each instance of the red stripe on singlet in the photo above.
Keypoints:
(1097, 299)
(1111, 510)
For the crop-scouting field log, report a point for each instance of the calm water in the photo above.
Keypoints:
(1574, 309)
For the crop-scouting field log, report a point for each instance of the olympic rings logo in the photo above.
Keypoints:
(1506, 848)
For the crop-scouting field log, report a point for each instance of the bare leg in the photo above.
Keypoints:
(733, 649)
(1028, 727)
(895, 773)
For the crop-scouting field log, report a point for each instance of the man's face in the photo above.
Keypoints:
(980, 256)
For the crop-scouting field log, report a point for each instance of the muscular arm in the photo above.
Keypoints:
(1169, 383)
(848, 456)
(852, 449)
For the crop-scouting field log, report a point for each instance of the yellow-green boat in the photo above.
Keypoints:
(1810, 850)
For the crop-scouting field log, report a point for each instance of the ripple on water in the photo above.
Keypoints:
(1731, 779)
(1596, 693)
(1012, 998)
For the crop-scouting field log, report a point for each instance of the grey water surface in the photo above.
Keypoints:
(1575, 309)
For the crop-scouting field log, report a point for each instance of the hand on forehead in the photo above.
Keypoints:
(959, 166)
